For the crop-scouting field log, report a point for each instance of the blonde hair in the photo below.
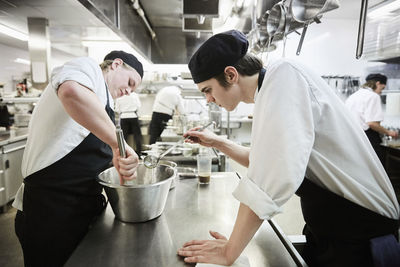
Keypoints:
(371, 84)
(106, 63)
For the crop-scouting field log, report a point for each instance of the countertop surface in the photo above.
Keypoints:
(13, 135)
(396, 147)
(191, 211)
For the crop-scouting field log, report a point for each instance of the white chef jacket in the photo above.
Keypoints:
(366, 106)
(52, 133)
(301, 128)
(167, 99)
(128, 105)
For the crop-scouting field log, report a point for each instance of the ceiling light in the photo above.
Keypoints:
(22, 61)
(13, 33)
(385, 10)
(97, 43)
(116, 45)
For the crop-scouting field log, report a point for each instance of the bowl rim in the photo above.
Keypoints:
(110, 185)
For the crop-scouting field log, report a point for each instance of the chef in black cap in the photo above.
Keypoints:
(365, 104)
(303, 142)
(71, 140)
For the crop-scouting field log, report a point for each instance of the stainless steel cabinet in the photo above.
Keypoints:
(10, 170)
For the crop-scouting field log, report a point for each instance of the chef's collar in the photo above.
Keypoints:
(368, 88)
(261, 76)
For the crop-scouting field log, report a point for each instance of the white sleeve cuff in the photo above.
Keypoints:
(248, 193)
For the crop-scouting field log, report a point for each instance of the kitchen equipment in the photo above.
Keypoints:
(151, 161)
(276, 21)
(361, 28)
(10, 170)
(120, 135)
(143, 200)
(306, 11)
(175, 167)
(187, 172)
(204, 168)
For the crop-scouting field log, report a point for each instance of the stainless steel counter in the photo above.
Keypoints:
(13, 135)
(12, 145)
(191, 211)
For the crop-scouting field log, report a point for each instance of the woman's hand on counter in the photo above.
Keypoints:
(207, 251)
(126, 167)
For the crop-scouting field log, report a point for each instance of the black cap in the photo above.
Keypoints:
(377, 77)
(127, 58)
(221, 50)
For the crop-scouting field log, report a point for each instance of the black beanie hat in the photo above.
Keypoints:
(127, 58)
(221, 50)
(377, 77)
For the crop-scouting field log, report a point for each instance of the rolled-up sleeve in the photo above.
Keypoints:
(281, 141)
(80, 70)
(373, 109)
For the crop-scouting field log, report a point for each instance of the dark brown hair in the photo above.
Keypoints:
(246, 66)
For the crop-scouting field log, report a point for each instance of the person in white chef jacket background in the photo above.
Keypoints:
(365, 105)
(71, 139)
(303, 141)
(168, 100)
(129, 105)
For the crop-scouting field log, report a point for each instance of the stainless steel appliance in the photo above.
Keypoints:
(10, 170)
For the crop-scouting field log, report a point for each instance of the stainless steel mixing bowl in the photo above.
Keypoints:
(142, 199)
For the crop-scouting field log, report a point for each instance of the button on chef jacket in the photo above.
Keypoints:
(366, 106)
(301, 128)
(55, 133)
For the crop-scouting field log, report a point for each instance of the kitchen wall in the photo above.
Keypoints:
(11, 72)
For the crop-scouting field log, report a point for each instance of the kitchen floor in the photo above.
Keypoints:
(10, 249)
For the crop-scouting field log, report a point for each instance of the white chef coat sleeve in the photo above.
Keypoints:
(82, 70)
(373, 109)
(281, 141)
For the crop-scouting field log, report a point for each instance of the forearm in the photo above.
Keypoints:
(376, 126)
(236, 152)
(85, 108)
(246, 225)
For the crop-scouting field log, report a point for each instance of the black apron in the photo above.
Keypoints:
(338, 231)
(375, 140)
(157, 125)
(61, 201)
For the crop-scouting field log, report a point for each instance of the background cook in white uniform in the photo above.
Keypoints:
(168, 100)
(129, 106)
(365, 105)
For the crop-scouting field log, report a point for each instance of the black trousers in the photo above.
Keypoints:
(132, 126)
(157, 125)
(338, 231)
(375, 140)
